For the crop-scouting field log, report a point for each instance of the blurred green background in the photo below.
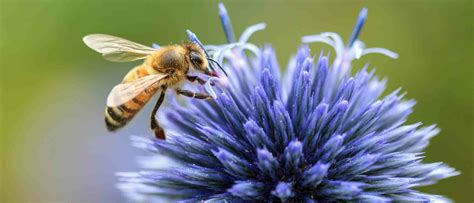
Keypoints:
(54, 146)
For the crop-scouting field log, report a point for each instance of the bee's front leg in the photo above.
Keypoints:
(192, 94)
(198, 79)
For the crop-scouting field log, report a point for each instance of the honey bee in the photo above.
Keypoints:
(163, 68)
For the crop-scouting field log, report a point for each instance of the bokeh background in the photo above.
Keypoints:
(54, 146)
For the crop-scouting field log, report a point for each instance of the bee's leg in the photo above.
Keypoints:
(191, 94)
(159, 132)
(198, 79)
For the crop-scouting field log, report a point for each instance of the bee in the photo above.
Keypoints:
(163, 68)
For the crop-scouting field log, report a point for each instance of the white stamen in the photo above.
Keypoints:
(250, 30)
(210, 48)
(330, 38)
(355, 52)
(317, 38)
(338, 43)
(377, 50)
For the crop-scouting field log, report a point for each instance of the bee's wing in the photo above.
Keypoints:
(122, 93)
(117, 49)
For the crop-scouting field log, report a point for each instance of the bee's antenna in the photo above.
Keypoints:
(217, 63)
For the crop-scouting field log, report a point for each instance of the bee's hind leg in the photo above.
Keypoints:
(155, 126)
(191, 94)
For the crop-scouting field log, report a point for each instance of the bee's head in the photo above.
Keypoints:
(198, 60)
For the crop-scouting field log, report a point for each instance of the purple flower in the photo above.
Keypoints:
(314, 134)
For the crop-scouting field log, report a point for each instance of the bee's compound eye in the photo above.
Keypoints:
(196, 58)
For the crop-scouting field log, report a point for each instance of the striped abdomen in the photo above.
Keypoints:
(119, 116)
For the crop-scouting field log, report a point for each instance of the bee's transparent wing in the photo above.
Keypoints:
(122, 93)
(117, 49)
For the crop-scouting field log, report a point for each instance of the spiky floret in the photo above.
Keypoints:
(317, 134)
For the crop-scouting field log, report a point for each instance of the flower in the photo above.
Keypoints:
(318, 134)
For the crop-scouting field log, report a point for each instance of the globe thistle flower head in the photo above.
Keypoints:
(316, 133)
